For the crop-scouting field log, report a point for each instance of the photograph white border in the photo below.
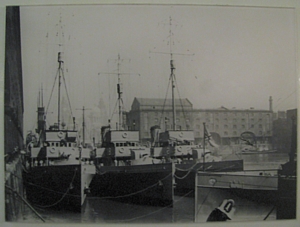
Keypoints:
(295, 4)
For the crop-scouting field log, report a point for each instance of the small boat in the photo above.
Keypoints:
(251, 146)
(58, 168)
(255, 150)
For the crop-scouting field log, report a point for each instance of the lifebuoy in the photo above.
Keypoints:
(60, 134)
(181, 134)
(179, 149)
(52, 150)
(124, 135)
(121, 150)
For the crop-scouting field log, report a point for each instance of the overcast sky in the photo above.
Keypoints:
(229, 56)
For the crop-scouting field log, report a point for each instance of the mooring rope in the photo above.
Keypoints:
(181, 178)
(47, 206)
(134, 193)
(176, 168)
(25, 201)
(148, 214)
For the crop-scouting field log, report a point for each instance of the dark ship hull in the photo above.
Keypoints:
(287, 179)
(54, 186)
(287, 191)
(58, 187)
(150, 184)
(185, 173)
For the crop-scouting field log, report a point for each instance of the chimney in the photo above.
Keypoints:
(271, 104)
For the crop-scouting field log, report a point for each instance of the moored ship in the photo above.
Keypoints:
(287, 180)
(256, 185)
(178, 146)
(125, 171)
(125, 168)
(58, 168)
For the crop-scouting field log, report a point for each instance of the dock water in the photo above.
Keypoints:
(97, 210)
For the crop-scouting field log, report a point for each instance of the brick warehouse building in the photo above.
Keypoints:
(225, 125)
(147, 112)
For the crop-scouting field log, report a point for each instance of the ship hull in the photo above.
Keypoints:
(287, 197)
(256, 152)
(254, 193)
(58, 187)
(258, 186)
(287, 191)
(186, 172)
(247, 208)
(140, 184)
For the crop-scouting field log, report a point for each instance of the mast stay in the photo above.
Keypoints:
(172, 77)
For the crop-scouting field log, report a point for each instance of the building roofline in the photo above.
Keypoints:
(232, 110)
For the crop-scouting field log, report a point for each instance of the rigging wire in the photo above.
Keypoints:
(52, 91)
(162, 112)
(113, 112)
(184, 115)
(63, 76)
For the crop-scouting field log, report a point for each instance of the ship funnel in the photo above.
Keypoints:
(154, 131)
(41, 120)
(104, 130)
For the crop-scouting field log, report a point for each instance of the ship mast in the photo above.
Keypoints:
(120, 124)
(172, 75)
(83, 125)
(172, 68)
(173, 94)
(119, 90)
(59, 85)
(61, 78)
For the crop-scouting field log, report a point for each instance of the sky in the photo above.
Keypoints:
(234, 57)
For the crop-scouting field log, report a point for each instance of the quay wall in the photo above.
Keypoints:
(14, 206)
(13, 117)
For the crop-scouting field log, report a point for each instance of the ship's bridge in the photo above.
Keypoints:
(122, 145)
(124, 137)
(179, 137)
(61, 135)
(175, 144)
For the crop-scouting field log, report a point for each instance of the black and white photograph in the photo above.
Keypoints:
(150, 113)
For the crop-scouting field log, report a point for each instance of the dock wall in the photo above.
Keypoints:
(13, 116)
